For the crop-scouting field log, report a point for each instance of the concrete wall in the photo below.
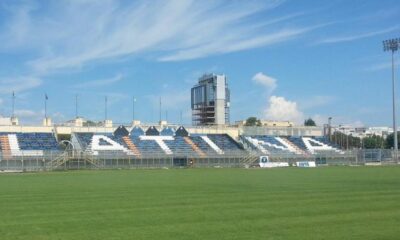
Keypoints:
(232, 131)
(26, 129)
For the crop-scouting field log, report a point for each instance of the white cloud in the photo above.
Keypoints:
(26, 113)
(233, 43)
(283, 110)
(268, 82)
(28, 116)
(66, 37)
(278, 108)
(18, 84)
(99, 83)
(358, 36)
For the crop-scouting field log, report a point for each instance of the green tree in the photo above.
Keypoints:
(90, 123)
(309, 123)
(343, 141)
(373, 142)
(389, 143)
(252, 121)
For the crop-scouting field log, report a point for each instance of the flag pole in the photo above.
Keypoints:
(160, 110)
(45, 106)
(13, 105)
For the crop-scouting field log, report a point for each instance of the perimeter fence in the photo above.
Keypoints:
(66, 160)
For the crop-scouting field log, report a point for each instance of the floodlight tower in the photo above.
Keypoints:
(393, 45)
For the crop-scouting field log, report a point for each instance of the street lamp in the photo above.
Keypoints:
(393, 45)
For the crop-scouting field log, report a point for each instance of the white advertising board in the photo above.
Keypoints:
(305, 164)
(265, 163)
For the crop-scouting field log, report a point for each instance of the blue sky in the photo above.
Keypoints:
(285, 60)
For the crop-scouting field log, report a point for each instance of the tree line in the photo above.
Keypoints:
(370, 142)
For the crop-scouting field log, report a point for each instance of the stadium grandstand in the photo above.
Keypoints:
(162, 145)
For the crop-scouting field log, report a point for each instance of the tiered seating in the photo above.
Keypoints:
(316, 146)
(37, 141)
(203, 146)
(326, 141)
(103, 142)
(84, 139)
(107, 144)
(27, 144)
(157, 145)
(298, 141)
(147, 147)
(271, 140)
(225, 142)
(288, 145)
(194, 146)
(269, 145)
(180, 147)
(131, 146)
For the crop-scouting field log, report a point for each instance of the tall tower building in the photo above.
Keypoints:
(210, 100)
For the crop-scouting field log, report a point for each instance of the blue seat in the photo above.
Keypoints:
(37, 141)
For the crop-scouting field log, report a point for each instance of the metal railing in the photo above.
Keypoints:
(58, 160)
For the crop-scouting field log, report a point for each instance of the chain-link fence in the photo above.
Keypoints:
(114, 160)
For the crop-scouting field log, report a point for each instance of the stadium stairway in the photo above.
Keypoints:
(194, 147)
(251, 159)
(131, 146)
(88, 149)
(5, 147)
(93, 160)
(58, 161)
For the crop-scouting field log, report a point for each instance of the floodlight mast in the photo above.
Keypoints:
(393, 46)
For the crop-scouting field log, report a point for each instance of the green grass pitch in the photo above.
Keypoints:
(320, 203)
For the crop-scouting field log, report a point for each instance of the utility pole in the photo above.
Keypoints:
(133, 108)
(45, 105)
(105, 108)
(160, 109)
(13, 105)
(76, 105)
